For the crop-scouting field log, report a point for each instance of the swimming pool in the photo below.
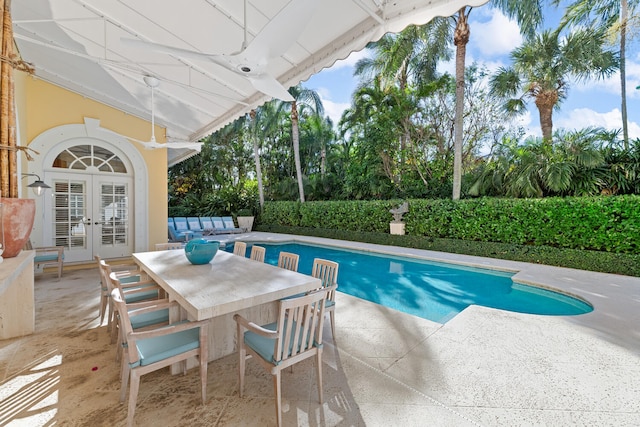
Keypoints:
(431, 290)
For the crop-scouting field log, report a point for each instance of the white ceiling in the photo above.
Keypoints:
(77, 44)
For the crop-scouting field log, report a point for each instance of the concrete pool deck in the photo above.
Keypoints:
(484, 367)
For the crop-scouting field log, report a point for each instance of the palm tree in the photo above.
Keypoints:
(528, 14)
(309, 97)
(612, 16)
(407, 58)
(542, 67)
(535, 168)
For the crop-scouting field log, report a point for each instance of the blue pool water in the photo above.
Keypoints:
(431, 290)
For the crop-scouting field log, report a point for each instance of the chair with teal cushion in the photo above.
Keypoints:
(327, 272)
(47, 256)
(195, 227)
(175, 235)
(138, 287)
(134, 303)
(230, 226)
(218, 225)
(296, 336)
(154, 349)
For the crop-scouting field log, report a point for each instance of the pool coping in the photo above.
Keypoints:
(615, 298)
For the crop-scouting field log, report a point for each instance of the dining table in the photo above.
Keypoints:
(217, 290)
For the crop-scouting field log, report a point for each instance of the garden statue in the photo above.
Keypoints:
(399, 211)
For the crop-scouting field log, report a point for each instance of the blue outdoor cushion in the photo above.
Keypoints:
(151, 318)
(265, 346)
(45, 258)
(155, 349)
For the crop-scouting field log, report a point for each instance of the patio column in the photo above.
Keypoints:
(9, 61)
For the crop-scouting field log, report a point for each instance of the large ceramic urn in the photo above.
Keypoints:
(17, 221)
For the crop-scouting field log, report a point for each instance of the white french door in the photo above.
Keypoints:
(90, 215)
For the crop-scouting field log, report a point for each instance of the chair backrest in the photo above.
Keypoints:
(217, 222)
(228, 222)
(240, 248)
(125, 322)
(257, 253)
(288, 261)
(174, 235)
(300, 323)
(181, 223)
(206, 223)
(170, 222)
(168, 246)
(105, 271)
(327, 272)
(194, 224)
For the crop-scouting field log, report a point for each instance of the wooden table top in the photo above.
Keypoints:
(227, 284)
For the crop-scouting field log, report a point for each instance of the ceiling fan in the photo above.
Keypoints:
(273, 40)
(153, 83)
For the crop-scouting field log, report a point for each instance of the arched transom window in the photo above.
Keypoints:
(89, 157)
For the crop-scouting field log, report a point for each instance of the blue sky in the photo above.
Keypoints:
(493, 37)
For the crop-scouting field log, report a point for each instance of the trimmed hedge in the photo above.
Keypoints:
(608, 224)
(606, 262)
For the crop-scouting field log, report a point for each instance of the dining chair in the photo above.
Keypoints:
(154, 349)
(131, 279)
(288, 261)
(230, 226)
(47, 256)
(327, 272)
(138, 321)
(240, 248)
(105, 292)
(296, 336)
(257, 253)
(168, 246)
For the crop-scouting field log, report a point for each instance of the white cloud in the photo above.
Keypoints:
(525, 121)
(333, 109)
(497, 36)
(584, 117)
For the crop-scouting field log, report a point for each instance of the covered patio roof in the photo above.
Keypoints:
(102, 49)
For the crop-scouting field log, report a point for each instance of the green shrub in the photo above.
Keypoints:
(609, 224)
(606, 262)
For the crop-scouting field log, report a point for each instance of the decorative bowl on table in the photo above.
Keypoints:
(201, 251)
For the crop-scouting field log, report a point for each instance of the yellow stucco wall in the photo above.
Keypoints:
(42, 106)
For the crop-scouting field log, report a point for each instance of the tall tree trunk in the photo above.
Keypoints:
(624, 12)
(545, 102)
(256, 157)
(460, 39)
(295, 135)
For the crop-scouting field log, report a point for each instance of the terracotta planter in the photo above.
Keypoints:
(17, 222)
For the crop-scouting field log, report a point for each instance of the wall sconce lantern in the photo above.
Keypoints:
(38, 186)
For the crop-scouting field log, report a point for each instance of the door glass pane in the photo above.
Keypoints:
(114, 213)
(80, 157)
(70, 214)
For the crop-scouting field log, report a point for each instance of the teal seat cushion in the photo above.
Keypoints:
(148, 319)
(45, 258)
(155, 349)
(265, 346)
(329, 303)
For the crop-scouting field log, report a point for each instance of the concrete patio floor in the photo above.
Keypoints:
(485, 367)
